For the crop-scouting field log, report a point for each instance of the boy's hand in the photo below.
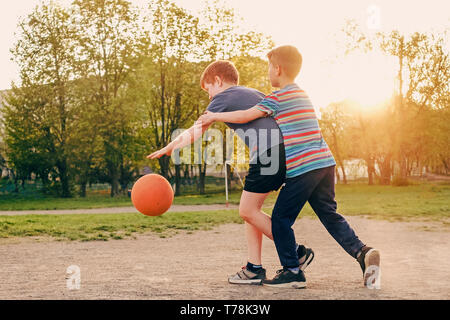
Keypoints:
(158, 154)
(207, 118)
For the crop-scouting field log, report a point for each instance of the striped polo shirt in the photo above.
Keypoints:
(306, 149)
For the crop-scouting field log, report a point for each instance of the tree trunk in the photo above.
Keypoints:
(16, 183)
(64, 178)
(186, 175)
(177, 180)
(201, 178)
(370, 171)
(84, 178)
(385, 171)
(164, 165)
(194, 177)
(403, 167)
(344, 176)
(185, 172)
(83, 186)
(126, 176)
(338, 176)
(401, 119)
(338, 156)
(445, 164)
(114, 184)
(65, 187)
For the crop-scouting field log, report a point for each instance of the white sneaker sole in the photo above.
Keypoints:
(290, 285)
(242, 281)
(372, 273)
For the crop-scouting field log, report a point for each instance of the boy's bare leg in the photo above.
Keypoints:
(254, 243)
(257, 223)
(250, 210)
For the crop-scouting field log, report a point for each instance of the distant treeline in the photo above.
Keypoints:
(409, 133)
(103, 84)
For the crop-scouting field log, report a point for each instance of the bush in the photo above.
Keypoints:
(400, 182)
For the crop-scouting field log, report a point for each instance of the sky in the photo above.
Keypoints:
(312, 26)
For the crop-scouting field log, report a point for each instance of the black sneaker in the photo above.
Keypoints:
(369, 260)
(305, 256)
(245, 276)
(287, 279)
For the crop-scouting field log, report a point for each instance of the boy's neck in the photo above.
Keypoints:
(226, 86)
(286, 81)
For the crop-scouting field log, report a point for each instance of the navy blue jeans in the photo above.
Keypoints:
(316, 187)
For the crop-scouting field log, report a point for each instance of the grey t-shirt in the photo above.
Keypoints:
(260, 134)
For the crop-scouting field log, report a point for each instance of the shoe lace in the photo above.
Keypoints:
(279, 272)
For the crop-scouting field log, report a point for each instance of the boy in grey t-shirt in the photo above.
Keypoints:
(220, 79)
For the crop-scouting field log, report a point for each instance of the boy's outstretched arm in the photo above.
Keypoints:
(241, 116)
(186, 138)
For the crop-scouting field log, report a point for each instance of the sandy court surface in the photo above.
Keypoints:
(415, 265)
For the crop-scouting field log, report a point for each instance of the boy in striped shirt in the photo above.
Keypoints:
(310, 171)
(267, 170)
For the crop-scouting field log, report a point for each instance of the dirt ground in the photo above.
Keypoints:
(415, 264)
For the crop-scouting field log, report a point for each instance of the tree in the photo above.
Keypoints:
(409, 125)
(86, 142)
(29, 144)
(335, 126)
(97, 92)
(423, 83)
(44, 56)
(165, 84)
(224, 38)
(107, 33)
(3, 161)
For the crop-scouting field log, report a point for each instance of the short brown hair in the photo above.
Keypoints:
(288, 58)
(223, 69)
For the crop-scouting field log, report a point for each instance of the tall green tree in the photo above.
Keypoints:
(225, 38)
(422, 92)
(107, 35)
(168, 73)
(423, 81)
(335, 127)
(44, 56)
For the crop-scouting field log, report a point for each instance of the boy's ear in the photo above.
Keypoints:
(278, 70)
(218, 80)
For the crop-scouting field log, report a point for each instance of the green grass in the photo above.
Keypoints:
(415, 202)
(420, 201)
(217, 198)
(429, 202)
(17, 203)
(31, 198)
(12, 202)
(354, 198)
(86, 227)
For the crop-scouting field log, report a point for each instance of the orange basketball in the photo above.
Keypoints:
(152, 195)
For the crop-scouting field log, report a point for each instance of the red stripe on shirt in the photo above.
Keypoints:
(296, 112)
(290, 92)
(306, 155)
(302, 134)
